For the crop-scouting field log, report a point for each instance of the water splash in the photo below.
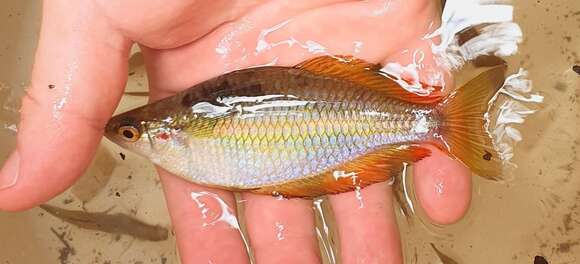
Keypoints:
(324, 234)
(229, 41)
(318, 207)
(358, 195)
(406, 191)
(519, 87)
(278, 197)
(279, 231)
(226, 214)
(11, 127)
(273, 62)
(499, 35)
(245, 106)
(342, 174)
(358, 45)
(408, 76)
(505, 135)
(60, 103)
(337, 175)
(440, 188)
(262, 44)
(383, 9)
(313, 47)
(512, 111)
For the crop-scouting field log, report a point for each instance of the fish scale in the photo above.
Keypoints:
(274, 148)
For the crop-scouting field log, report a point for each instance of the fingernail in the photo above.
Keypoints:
(9, 173)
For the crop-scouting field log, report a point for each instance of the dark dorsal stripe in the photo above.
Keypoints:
(247, 82)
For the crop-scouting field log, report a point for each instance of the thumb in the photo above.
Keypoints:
(77, 80)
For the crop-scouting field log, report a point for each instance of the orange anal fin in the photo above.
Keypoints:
(365, 74)
(377, 166)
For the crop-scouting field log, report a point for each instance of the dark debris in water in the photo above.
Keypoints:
(561, 87)
(66, 251)
(51, 86)
(568, 226)
(445, 259)
(540, 260)
(567, 38)
(576, 68)
(565, 247)
(68, 201)
(122, 155)
(487, 155)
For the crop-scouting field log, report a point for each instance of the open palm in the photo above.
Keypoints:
(82, 55)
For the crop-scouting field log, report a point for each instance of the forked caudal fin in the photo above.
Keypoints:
(463, 127)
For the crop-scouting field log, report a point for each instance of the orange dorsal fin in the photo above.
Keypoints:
(376, 166)
(362, 73)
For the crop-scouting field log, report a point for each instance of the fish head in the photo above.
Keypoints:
(129, 131)
(145, 133)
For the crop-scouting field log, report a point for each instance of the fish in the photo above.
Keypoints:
(331, 124)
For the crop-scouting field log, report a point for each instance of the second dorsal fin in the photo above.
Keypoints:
(362, 73)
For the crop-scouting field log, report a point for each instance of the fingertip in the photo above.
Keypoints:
(26, 181)
(42, 167)
(18, 193)
(10, 171)
(9, 175)
(366, 225)
(443, 187)
(278, 228)
(204, 221)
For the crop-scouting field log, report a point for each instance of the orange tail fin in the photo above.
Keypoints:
(463, 128)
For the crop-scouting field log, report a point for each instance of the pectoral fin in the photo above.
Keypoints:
(373, 167)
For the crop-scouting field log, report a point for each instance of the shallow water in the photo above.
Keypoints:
(534, 213)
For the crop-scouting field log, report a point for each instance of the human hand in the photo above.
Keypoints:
(83, 51)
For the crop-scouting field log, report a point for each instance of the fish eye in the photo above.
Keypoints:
(129, 133)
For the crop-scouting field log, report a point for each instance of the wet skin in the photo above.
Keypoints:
(83, 51)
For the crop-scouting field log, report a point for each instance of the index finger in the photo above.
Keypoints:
(77, 80)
